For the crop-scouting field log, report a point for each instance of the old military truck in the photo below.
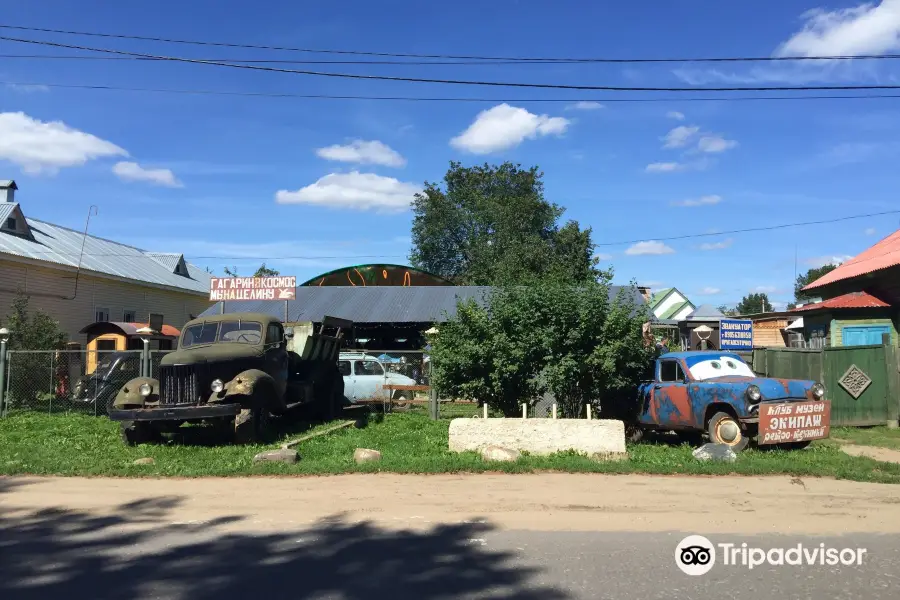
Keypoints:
(234, 371)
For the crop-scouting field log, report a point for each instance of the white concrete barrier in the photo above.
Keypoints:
(539, 436)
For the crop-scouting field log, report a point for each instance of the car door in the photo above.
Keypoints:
(669, 405)
(369, 379)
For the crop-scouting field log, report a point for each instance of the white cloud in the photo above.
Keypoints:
(503, 127)
(27, 88)
(715, 144)
(39, 146)
(584, 105)
(651, 247)
(131, 171)
(354, 190)
(871, 231)
(821, 261)
(664, 167)
(717, 245)
(674, 114)
(679, 136)
(864, 29)
(601, 256)
(363, 152)
(701, 201)
(709, 291)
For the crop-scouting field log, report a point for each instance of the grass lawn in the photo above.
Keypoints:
(868, 436)
(70, 444)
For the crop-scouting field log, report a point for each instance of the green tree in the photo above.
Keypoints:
(569, 341)
(231, 272)
(726, 310)
(807, 278)
(33, 375)
(492, 226)
(264, 271)
(753, 304)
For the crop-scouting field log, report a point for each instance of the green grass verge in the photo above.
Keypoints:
(410, 442)
(868, 436)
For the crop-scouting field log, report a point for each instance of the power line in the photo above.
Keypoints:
(454, 56)
(556, 86)
(292, 62)
(438, 99)
(750, 229)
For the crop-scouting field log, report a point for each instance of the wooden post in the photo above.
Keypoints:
(892, 367)
(554, 410)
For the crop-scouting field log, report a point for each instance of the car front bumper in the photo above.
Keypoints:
(175, 413)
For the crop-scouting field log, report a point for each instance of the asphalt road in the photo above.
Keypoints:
(77, 557)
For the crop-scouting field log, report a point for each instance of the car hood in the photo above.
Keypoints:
(212, 353)
(771, 388)
(400, 379)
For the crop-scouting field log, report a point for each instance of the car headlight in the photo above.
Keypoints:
(818, 391)
(753, 393)
(146, 389)
(217, 385)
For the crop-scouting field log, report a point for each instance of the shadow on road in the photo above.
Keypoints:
(143, 552)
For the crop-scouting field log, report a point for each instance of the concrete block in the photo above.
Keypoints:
(285, 455)
(539, 436)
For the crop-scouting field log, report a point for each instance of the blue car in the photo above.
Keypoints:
(717, 393)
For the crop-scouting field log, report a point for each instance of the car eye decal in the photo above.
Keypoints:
(716, 364)
(731, 364)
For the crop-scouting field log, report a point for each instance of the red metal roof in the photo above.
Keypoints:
(851, 300)
(882, 255)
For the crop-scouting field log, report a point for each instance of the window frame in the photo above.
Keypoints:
(679, 371)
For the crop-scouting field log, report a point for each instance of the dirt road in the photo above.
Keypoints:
(545, 502)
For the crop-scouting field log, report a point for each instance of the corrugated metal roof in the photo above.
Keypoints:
(166, 259)
(882, 255)
(424, 304)
(705, 311)
(659, 296)
(7, 183)
(852, 300)
(60, 245)
(7, 208)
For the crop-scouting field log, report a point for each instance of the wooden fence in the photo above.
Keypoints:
(879, 402)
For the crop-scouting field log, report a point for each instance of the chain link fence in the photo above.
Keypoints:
(67, 380)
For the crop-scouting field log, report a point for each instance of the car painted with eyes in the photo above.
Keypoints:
(716, 392)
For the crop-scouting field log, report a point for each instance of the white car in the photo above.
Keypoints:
(365, 377)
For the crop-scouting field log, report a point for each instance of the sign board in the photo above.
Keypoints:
(736, 334)
(787, 422)
(223, 289)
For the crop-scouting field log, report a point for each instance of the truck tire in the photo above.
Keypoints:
(134, 433)
(723, 428)
(252, 423)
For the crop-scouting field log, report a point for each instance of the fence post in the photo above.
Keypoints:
(52, 390)
(432, 393)
(3, 376)
(892, 367)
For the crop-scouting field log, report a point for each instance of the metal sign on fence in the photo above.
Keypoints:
(736, 334)
(252, 288)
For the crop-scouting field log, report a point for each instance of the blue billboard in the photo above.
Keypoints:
(736, 334)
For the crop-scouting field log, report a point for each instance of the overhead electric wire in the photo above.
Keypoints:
(435, 99)
(457, 81)
(290, 61)
(451, 56)
(749, 229)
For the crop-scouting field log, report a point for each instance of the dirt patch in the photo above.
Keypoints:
(873, 452)
(540, 502)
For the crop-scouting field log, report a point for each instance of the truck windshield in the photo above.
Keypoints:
(241, 332)
(710, 367)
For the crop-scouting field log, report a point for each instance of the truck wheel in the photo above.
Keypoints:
(135, 433)
(402, 401)
(252, 423)
(725, 429)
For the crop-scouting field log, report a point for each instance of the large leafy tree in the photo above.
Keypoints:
(491, 225)
(752, 304)
(807, 278)
(569, 341)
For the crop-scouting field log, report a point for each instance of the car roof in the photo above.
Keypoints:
(689, 353)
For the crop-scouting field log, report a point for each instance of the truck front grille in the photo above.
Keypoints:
(179, 385)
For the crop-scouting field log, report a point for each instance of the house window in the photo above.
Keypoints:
(101, 314)
(129, 316)
(11, 224)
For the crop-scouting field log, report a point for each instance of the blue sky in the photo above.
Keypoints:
(254, 177)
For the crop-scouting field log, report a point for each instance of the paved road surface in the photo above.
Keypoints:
(483, 536)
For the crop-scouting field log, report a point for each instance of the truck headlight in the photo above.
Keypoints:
(818, 391)
(146, 389)
(217, 385)
(753, 393)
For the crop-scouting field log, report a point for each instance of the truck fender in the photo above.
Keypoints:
(244, 385)
(130, 394)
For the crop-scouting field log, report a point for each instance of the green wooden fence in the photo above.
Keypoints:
(878, 404)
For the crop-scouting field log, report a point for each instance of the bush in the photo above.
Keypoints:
(572, 342)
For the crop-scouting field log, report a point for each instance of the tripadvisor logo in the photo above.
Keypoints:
(696, 555)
